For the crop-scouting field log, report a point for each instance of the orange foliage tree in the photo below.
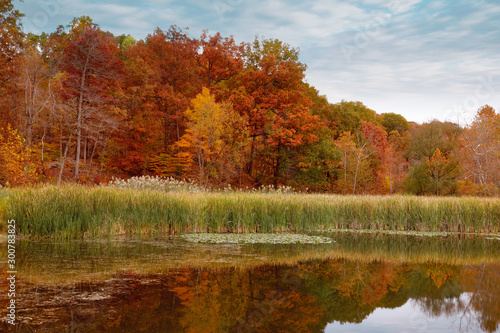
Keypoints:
(91, 70)
(272, 94)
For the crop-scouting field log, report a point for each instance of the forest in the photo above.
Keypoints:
(81, 105)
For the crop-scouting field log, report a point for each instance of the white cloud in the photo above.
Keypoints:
(417, 58)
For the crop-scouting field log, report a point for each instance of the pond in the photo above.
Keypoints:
(357, 283)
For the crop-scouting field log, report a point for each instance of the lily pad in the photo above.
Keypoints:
(256, 239)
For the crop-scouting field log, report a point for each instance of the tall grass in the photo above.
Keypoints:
(74, 211)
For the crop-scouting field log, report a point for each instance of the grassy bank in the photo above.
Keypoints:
(75, 211)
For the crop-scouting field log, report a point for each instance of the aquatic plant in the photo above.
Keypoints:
(256, 239)
(77, 211)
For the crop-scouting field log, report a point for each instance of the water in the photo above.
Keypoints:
(361, 283)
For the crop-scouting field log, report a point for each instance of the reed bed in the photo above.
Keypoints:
(76, 211)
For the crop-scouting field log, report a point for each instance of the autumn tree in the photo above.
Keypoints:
(397, 161)
(91, 67)
(218, 58)
(316, 162)
(481, 151)
(442, 173)
(380, 153)
(36, 82)
(424, 141)
(15, 159)
(209, 137)
(172, 78)
(271, 93)
(160, 79)
(354, 167)
(10, 49)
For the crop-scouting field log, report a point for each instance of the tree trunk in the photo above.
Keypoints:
(278, 166)
(80, 119)
(61, 169)
(250, 164)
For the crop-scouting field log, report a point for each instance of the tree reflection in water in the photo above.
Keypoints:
(269, 298)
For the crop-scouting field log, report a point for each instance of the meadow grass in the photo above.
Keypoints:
(77, 211)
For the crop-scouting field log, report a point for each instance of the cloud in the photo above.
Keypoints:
(414, 57)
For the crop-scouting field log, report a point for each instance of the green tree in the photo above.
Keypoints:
(424, 141)
(262, 48)
(394, 122)
(348, 115)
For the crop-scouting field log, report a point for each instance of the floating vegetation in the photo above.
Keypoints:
(391, 232)
(256, 239)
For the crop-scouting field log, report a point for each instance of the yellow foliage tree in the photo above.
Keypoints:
(208, 146)
(16, 167)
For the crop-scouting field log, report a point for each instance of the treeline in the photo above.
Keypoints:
(83, 105)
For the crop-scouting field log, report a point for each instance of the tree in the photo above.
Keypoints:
(380, 153)
(36, 81)
(172, 78)
(15, 159)
(218, 58)
(11, 41)
(398, 164)
(428, 137)
(262, 48)
(271, 93)
(348, 115)
(442, 172)
(394, 122)
(209, 136)
(424, 141)
(481, 151)
(354, 166)
(10, 49)
(91, 66)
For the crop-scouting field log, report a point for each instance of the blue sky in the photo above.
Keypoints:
(424, 59)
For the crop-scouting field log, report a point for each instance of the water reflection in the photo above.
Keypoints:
(313, 295)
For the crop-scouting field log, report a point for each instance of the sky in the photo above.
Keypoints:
(423, 59)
